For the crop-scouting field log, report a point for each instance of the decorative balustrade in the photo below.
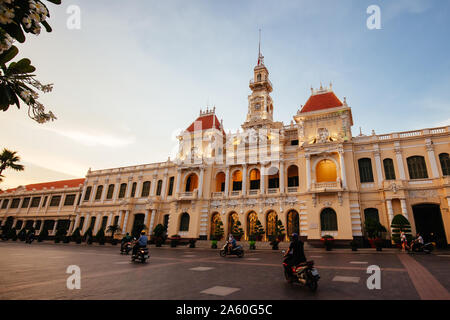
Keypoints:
(253, 192)
(217, 194)
(272, 190)
(327, 186)
(405, 134)
(235, 193)
(292, 189)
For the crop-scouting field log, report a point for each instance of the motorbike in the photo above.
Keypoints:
(142, 255)
(426, 248)
(126, 248)
(29, 239)
(237, 251)
(305, 274)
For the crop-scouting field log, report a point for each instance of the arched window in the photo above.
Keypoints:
(326, 171)
(389, 172)
(87, 195)
(133, 189)
(191, 183)
(293, 225)
(145, 189)
(292, 176)
(233, 218)
(158, 188)
(184, 222)
(328, 220)
(272, 218)
(251, 223)
(220, 182)
(258, 77)
(371, 214)
(215, 219)
(237, 180)
(255, 178)
(365, 170)
(274, 178)
(170, 191)
(417, 167)
(110, 193)
(445, 164)
(98, 193)
(122, 190)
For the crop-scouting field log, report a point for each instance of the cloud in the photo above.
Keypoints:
(398, 7)
(443, 123)
(94, 139)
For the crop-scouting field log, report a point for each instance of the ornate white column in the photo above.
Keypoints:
(200, 186)
(308, 171)
(146, 216)
(398, 155)
(98, 217)
(342, 165)
(432, 158)
(93, 191)
(138, 187)
(164, 186)
(244, 179)
(86, 223)
(77, 199)
(120, 219)
(390, 210)
(125, 221)
(281, 175)
(262, 179)
(227, 181)
(116, 188)
(376, 155)
(152, 221)
(83, 192)
(34, 223)
(153, 186)
(109, 220)
(404, 208)
(77, 220)
(54, 227)
(105, 190)
(69, 231)
(177, 191)
(129, 187)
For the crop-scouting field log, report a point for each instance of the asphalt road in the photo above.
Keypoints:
(38, 271)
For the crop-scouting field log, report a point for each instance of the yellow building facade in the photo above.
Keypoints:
(311, 174)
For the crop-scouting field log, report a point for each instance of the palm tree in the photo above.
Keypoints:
(113, 229)
(9, 159)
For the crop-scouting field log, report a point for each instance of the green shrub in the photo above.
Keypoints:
(218, 231)
(43, 235)
(22, 234)
(237, 230)
(88, 236)
(60, 234)
(76, 235)
(400, 224)
(100, 236)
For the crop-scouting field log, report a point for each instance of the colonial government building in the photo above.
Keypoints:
(311, 174)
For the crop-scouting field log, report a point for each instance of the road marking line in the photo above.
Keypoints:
(346, 279)
(122, 262)
(253, 259)
(189, 256)
(444, 255)
(358, 262)
(201, 268)
(426, 285)
(316, 256)
(220, 291)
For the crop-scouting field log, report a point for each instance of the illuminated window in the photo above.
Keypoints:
(326, 171)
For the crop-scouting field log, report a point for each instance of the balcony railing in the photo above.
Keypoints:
(272, 190)
(253, 192)
(217, 194)
(327, 186)
(292, 189)
(188, 195)
(236, 193)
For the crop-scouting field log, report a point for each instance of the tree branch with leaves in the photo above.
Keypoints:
(17, 81)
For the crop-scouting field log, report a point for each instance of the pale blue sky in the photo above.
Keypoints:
(139, 71)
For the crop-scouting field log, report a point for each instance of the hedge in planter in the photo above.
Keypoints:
(43, 235)
(237, 231)
(354, 245)
(328, 242)
(100, 236)
(192, 243)
(400, 224)
(60, 234)
(88, 236)
(158, 234)
(22, 234)
(113, 229)
(76, 235)
(174, 240)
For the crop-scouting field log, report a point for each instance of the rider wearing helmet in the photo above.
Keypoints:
(295, 255)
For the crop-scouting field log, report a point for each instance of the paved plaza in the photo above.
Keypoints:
(38, 271)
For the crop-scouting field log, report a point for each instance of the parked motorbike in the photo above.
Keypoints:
(426, 248)
(305, 274)
(126, 248)
(237, 251)
(142, 255)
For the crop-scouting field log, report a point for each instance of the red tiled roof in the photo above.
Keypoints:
(56, 184)
(206, 122)
(321, 101)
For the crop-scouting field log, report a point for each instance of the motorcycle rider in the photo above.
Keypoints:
(140, 243)
(125, 239)
(231, 243)
(296, 254)
(417, 243)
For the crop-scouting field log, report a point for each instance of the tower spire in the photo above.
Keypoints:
(260, 56)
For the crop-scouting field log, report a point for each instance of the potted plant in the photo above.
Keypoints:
(259, 230)
(76, 236)
(88, 236)
(400, 224)
(192, 243)
(328, 242)
(237, 231)
(218, 234)
(43, 235)
(252, 242)
(22, 234)
(274, 241)
(379, 244)
(279, 230)
(354, 245)
(373, 229)
(13, 234)
(158, 234)
(66, 239)
(174, 240)
(60, 234)
(100, 236)
(113, 229)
